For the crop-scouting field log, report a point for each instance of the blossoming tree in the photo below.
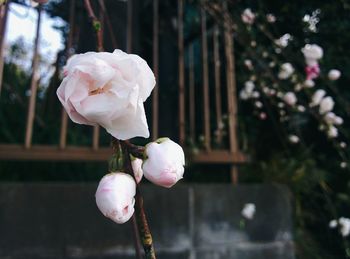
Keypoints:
(286, 84)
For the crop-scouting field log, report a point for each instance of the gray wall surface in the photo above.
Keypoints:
(40, 221)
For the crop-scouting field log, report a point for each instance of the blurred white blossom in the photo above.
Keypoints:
(326, 105)
(344, 224)
(286, 71)
(312, 53)
(309, 83)
(290, 98)
(342, 145)
(283, 41)
(258, 104)
(301, 108)
(334, 74)
(248, 210)
(270, 18)
(248, 16)
(332, 132)
(293, 139)
(247, 91)
(248, 63)
(317, 97)
(333, 223)
(332, 118)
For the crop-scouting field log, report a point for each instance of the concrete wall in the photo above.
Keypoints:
(188, 221)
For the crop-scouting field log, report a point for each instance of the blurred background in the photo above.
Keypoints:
(251, 127)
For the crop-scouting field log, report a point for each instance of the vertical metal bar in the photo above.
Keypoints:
(231, 97)
(181, 74)
(64, 116)
(129, 27)
(192, 95)
(217, 66)
(33, 85)
(205, 82)
(3, 18)
(155, 95)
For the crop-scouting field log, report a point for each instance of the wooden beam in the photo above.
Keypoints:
(53, 153)
(231, 94)
(33, 85)
(64, 116)
(217, 75)
(155, 94)
(4, 9)
(192, 97)
(219, 157)
(206, 102)
(181, 74)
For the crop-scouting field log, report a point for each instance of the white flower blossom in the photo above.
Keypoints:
(298, 87)
(290, 98)
(255, 94)
(284, 40)
(262, 116)
(248, 16)
(301, 108)
(312, 53)
(344, 224)
(333, 223)
(286, 71)
(108, 89)
(331, 118)
(317, 97)
(343, 165)
(309, 83)
(248, 211)
(343, 144)
(258, 104)
(248, 90)
(334, 74)
(332, 132)
(248, 63)
(293, 139)
(270, 18)
(272, 64)
(326, 105)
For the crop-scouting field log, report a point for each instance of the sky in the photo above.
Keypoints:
(22, 23)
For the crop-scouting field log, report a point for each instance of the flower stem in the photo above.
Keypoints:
(143, 228)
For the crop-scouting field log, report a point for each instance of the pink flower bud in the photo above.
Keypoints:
(115, 196)
(165, 162)
(136, 164)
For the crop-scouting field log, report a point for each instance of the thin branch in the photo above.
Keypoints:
(143, 228)
(96, 25)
